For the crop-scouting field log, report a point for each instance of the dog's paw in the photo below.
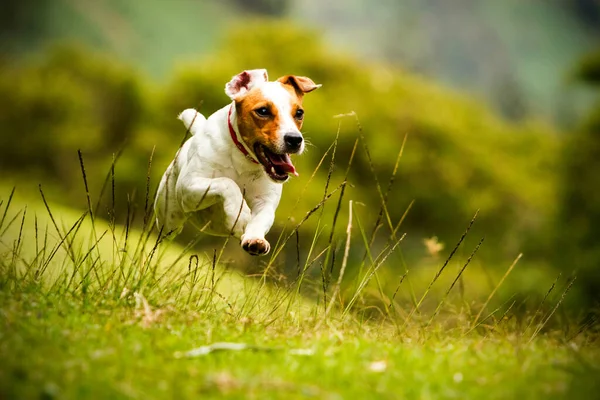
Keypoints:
(256, 246)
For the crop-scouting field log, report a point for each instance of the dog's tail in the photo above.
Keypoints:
(193, 120)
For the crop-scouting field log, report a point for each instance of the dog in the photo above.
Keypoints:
(227, 177)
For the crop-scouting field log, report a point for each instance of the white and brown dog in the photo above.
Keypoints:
(226, 179)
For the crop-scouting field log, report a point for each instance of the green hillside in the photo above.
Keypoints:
(101, 310)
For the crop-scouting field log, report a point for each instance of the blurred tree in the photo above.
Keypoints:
(21, 22)
(588, 71)
(588, 11)
(274, 8)
(579, 218)
(70, 99)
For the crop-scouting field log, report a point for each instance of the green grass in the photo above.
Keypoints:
(66, 348)
(93, 309)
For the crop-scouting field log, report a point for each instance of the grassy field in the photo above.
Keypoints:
(94, 309)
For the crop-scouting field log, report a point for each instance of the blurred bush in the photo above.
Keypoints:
(68, 100)
(458, 157)
(577, 245)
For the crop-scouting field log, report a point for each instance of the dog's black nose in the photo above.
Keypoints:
(293, 140)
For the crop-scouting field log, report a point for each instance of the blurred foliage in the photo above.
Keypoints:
(458, 157)
(488, 48)
(24, 19)
(70, 100)
(587, 10)
(588, 69)
(265, 7)
(579, 214)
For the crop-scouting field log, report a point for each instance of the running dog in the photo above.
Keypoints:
(227, 178)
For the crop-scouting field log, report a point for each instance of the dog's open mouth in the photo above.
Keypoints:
(277, 166)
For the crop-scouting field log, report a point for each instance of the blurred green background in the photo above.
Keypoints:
(496, 100)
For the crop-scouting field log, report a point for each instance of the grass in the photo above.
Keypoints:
(96, 309)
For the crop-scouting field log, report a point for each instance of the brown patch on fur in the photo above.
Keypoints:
(252, 127)
(301, 84)
(263, 130)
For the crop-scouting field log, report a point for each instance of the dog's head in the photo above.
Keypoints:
(270, 116)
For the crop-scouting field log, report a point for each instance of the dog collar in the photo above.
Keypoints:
(237, 141)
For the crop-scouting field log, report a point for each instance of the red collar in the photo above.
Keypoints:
(237, 143)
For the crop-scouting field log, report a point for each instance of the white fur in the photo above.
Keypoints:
(213, 185)
(191, 116)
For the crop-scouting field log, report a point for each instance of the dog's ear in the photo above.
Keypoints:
(244, 81)
(301, 84)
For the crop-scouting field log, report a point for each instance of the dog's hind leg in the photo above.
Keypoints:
(169, 215)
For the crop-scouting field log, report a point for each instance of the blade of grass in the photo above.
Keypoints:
(374, 270)
(439, 306)
(9, 201)
(439, 272)
(338, 284)
(543, 323)
(539, 308)
(487, 301)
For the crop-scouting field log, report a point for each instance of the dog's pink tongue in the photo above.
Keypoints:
(285, 163)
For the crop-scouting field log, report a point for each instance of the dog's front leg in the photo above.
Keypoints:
(253, 239)
(263, 209)
(197, 193)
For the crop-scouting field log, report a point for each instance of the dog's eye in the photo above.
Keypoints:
(299, 114)
(262, 112)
